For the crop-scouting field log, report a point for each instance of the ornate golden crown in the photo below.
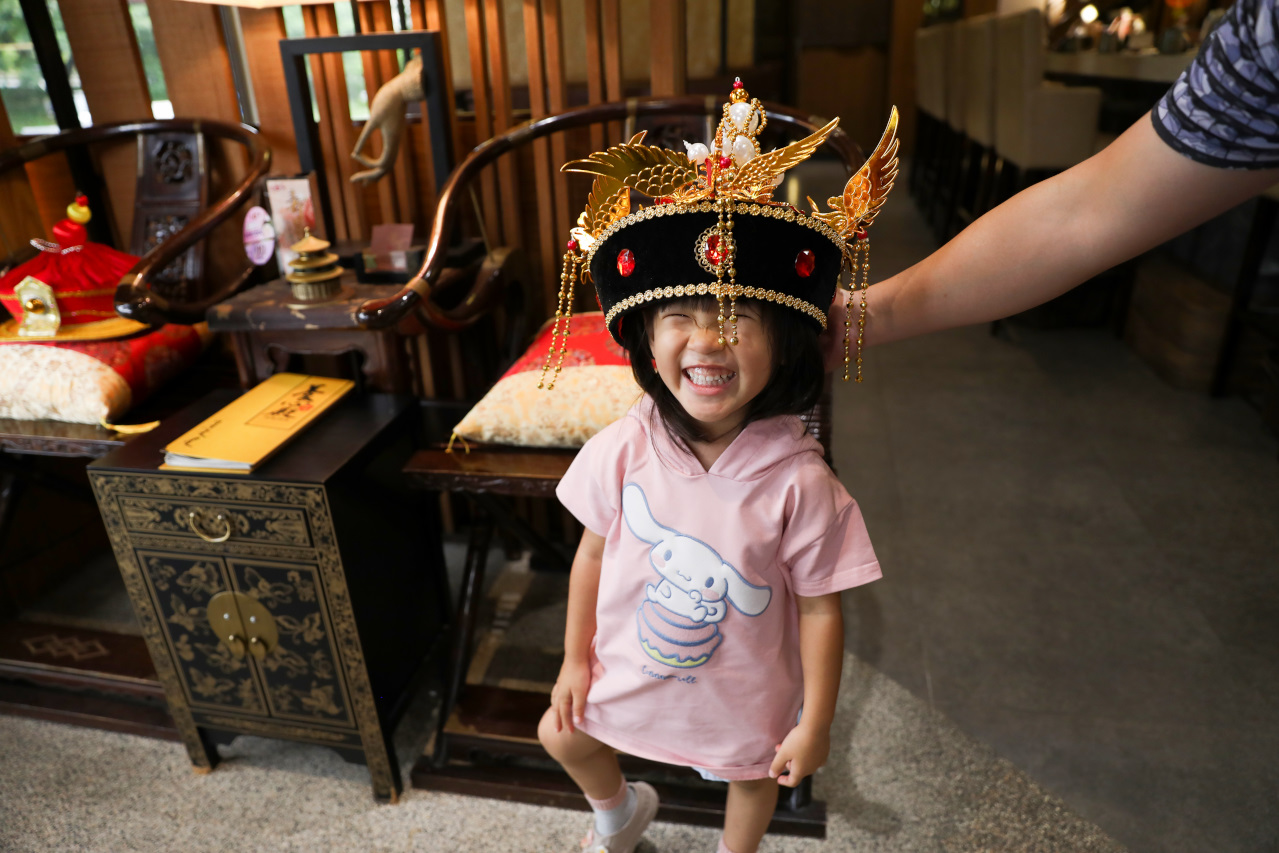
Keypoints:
(730, 177)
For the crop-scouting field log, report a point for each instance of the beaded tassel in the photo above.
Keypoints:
(727, 261)
(860, 250)
(563, 315)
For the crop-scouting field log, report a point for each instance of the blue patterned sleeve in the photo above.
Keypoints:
(1224, 110)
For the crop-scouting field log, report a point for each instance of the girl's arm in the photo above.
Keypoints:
(821, 652)
(1133, 195)
(568, 697)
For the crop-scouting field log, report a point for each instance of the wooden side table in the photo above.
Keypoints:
(267, 326)
(301, 601)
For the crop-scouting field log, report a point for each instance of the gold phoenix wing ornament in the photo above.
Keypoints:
(755, 180)
(655, 172)
(867, 190)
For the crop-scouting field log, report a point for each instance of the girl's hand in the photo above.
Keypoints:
(568, 696)
(802, 752)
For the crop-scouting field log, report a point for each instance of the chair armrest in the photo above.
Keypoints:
(134, 298)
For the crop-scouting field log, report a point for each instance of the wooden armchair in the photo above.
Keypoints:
(169, 284)
(138, 296)
(486, 742)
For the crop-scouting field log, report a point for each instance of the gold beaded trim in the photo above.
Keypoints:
(783, 212)
(681, 290)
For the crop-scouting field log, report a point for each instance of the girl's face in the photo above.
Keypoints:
(713, 383)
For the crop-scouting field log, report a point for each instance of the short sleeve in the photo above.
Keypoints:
(825, 545)
(591, 489)
(1223, 110)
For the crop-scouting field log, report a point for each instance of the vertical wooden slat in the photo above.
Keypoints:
(375, 76)
(263, 29)
(19, 216)
(429, 15)
(402, 175)
(106, 54)
(53, 186)
(557, 102)
(193, 56)
(594, 68)
(547, 241)
(335, 113)
(476, 42)
(611, 32)
(330, 175)
(667, 46)
(500, 85)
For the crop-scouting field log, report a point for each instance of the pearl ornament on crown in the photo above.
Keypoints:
(697, 152)
(744, 117)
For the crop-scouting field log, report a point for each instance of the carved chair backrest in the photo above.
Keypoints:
(172, 189)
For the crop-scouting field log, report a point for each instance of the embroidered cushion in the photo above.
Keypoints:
(594, 388)
(87, 381)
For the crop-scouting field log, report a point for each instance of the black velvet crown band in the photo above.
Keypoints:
(667, 251)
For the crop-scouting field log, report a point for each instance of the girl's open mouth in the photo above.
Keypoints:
(709, 377)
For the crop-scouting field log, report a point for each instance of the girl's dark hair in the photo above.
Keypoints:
(794, 387)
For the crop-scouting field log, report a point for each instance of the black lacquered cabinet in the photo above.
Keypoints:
(301, 601)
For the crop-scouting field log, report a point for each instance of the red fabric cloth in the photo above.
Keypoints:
(83, 279)
(589, 343)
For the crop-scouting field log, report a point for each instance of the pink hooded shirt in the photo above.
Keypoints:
(696, 656)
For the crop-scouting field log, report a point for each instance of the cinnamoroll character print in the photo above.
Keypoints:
(677, 619)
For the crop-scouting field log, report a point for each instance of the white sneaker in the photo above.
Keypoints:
(626, 838)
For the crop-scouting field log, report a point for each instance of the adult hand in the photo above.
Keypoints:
(568, 696)
(805, 749)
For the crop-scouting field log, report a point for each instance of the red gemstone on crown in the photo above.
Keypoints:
(805, 261)
(625, 262)
(572, 245)
(861, 234)
(725, 162)
(713, 252)
(737, 83)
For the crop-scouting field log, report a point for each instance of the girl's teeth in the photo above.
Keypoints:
(701, 376)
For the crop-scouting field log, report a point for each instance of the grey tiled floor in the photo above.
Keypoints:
(1081, 568)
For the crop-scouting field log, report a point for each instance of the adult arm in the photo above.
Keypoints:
(569, 694)
(1133, 195)
(821, 653)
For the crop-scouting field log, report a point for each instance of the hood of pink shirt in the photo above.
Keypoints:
(758, 449)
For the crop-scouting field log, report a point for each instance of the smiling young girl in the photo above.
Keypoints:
(704, 601)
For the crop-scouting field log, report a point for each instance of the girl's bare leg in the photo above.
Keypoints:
(592, 765)
(749, 810)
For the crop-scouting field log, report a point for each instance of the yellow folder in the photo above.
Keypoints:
(241, 435)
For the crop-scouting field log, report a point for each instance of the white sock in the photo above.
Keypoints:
(611, 815)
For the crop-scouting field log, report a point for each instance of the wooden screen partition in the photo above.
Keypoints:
(318, 148)
(667, 45)
(19, 216)
(397, 197)
(263, 30)
(107, 56)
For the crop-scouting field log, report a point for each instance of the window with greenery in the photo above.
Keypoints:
(141, 18)
(352, 63)
(22, 85)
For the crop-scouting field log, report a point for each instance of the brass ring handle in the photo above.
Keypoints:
(235, 644)
(221, 516)
(258, 647)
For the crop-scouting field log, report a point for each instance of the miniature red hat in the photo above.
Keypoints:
(67, 291)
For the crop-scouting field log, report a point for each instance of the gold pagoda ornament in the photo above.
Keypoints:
(316, 274)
